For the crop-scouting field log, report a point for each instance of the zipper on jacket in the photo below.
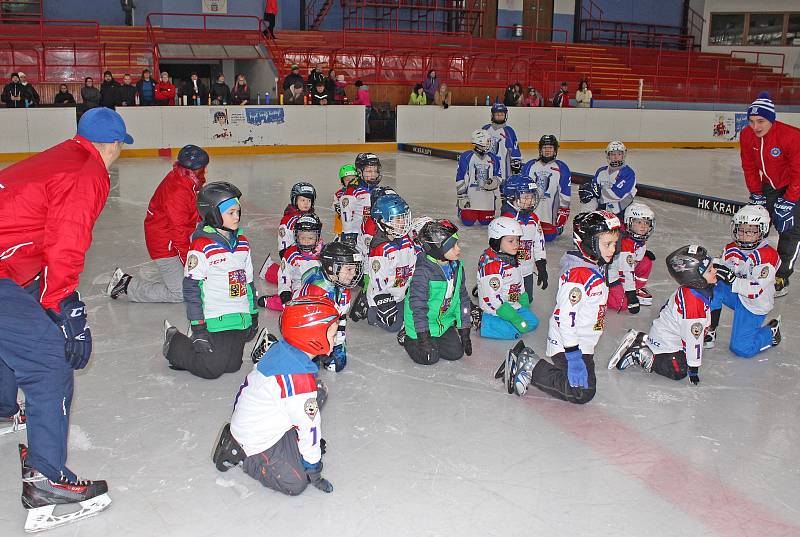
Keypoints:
(763, 164)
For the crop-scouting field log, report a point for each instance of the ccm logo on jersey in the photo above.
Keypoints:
(218, 261)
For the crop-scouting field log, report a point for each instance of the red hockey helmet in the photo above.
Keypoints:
(305, 321)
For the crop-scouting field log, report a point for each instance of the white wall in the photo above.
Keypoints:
(792, 61)
(421, 124)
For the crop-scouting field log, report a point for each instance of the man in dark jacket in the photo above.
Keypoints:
(315, 76)
(146, 88)
(195, 91)
(126, 93)
(13, 93)
(108, 90)
(220, 92)
(293, 77)
(319, 95)
(63, 97)
(31, 97)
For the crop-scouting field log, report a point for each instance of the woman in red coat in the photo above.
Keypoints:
(165, 91)
(171, 219)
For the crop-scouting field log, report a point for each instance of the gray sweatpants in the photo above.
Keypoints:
(168, 289)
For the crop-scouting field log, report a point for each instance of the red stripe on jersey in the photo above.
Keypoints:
(304, 383)
(627, 245)
(281, 385)
(690, 305)
(492, 267)
(769, 255)
(580, 275)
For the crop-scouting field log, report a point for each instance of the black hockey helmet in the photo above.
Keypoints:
(687, 265)
(307, 222)
(211, 196)
(304, 189)
(586, 229)
(548, 139)
(368, 159)
(437, 237)
(336, 255)
(192, 157)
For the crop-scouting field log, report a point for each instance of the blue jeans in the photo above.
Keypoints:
(748, 336)
(494, 327)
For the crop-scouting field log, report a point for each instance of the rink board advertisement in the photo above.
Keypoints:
(244, 126)
(678, 197)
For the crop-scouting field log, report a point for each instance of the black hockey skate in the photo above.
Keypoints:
(775, 326)
(632, 350)
(118, 284)
(264, 341)
(401, 337)
(508, 368)
(169, 333)
(228, 453)
(40, 496)
(476, 314)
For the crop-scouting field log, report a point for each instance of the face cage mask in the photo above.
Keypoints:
(500, 122)
(480, 149)
(548, 159)
(398, 225)
(306, 248)
(337, 268)
(375, 175)
(637, 236)
(616, 163)
(743, 244)
(515, 202)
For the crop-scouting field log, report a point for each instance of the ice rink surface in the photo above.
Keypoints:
(441, 450)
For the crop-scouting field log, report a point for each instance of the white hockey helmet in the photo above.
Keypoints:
(613, 146)
(641, 212)
(417, 225)
(750, 215)
(481, 140)
(503, 226)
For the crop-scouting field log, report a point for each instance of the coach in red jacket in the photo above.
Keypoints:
(171, 219)
(770, 153)
(48, 206)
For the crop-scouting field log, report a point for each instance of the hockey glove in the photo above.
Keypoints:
(541, 273)
(337, 359)
(516, 165)
(650, 255)
(360, 307)
(508, 313)
(252, 332)
(758, 199)
(466, 342)
(633, 302)
(694, 375)
(386, 309)
(561, 218)
(588, 192)
(285, 296)
(314, 475)
(463, 203)
(201, 339)
(784, 215)
(492, 183)
(72, 322)
(577, 375)
(725, 274)
(428, 353)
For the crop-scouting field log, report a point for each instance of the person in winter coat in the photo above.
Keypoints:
(295, 94)
(363, 98)
(315, 75)
(241, 91)
(220, 92)
(126, 92)
(561, 98)
(13, 93)
(108, 91)
(418, 96)
(171, 218)
(319, 95)
(32, 96)
(583, 97)
(533, 98)
(293, 77)
(63, 97)
(146, 89)
(195, 91)
(165, 91)
(89, 94)
(431, 86)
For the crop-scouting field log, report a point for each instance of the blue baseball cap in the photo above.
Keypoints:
(103, 125)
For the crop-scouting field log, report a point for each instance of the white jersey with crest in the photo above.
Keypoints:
(352, 201)
(755, 270)
(681, 325)
(471, 175)
(294, 264)
(390, 267)
(617, 187)
(499, 281)
(553, 179)
(580, 312)
(531, 244)
(630, 253)
(504, 145)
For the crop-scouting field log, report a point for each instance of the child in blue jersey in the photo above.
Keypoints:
(553, 178)
(613, 186)
(504, 142)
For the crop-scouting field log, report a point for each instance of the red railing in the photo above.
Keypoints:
(544, 34)
(619, 33)
(439, 16)
(52, 30)
(780, 56)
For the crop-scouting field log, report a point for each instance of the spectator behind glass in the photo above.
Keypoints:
(165, 91)
(330, 83)
(292, 77)
(319, 95)
(340, 91)
(442, 97)
(146, 89)
(363, 98)
(296, 94)
(108, 91)
(519, 94)
(89, 94)
(195, 91)
(314, 76)
(29, 94)
(220, 92)
(241, 91)
(533, 98)
(12, 93)
(583, 96)
(126, 92)
(431, 86)
(418, 96)
(63, 97)
(561, 98)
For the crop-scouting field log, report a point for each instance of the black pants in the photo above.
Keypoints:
(227, 356)
(269, 18)
(279, 467)
(788, 241)
(671, 365)
(528, 281)
(552, 379)
(448, 345)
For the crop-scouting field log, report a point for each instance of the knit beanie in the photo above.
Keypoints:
(762, 106)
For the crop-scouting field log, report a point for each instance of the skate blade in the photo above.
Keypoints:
(115, 278)
(42, 518)
(623, 346)
(262, 272)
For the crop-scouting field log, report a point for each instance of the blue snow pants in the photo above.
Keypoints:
(748, 336)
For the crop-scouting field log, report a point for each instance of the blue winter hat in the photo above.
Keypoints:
(762, 106)
(103, 125)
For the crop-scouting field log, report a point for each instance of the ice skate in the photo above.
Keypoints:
(775, 326)
(228, 453)
(524, 360)
(262, 272)
(632, 350)
(710, 339)
(476, 314)
(15, 423)
(508, 367)
(40, 497)
(169, 332)
(263, 342)
(644, 296)
(118, 284)
(401, 337)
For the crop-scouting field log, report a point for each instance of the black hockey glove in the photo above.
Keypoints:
(386, 309)
(360, 307)
(725, 274)
(650, 255)
(252, 332)
(201, 339)
(428, 353)
(694, 375)
(466, 342)
(285, 296)
(314, 475)
(72, 322)
(588, 192)
(633, 302)
(541, 274)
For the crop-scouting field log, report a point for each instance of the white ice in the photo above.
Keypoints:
(441, 450)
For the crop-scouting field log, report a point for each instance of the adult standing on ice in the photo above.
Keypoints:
(770, 152)
(48, 206)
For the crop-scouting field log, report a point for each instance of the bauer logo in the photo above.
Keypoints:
(422, 150)
(775, 152)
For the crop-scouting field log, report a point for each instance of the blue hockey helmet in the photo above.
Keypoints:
(392, 215)
(499, 108)
(518, 185)
(192, 157)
